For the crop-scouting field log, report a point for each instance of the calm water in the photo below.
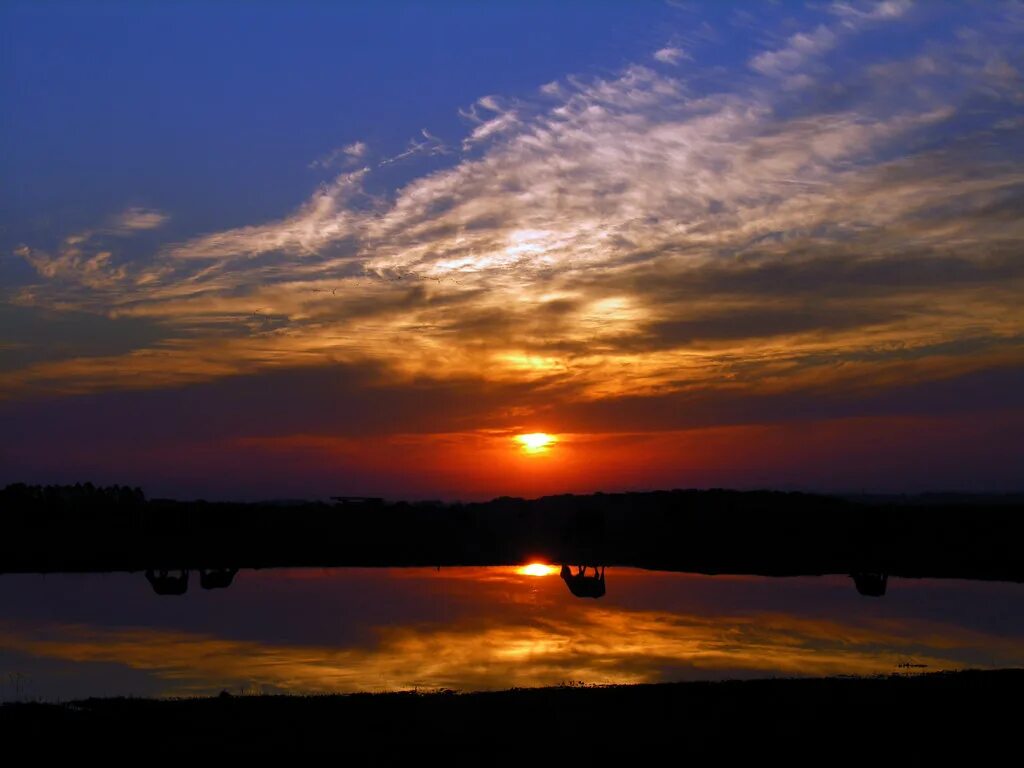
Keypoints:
(305, 631)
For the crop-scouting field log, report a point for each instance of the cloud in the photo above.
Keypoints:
(350, 154)
(87, 257)
(138, 219)
(322, 220)
(501, 120)
(855, 14)
(670, 55)
(798, 49)
(74, 263)
(428, 145)
(626, 235)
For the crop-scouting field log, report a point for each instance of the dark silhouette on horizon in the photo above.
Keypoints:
(83, 528)
(582, 585)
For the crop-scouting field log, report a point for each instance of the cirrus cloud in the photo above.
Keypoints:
(631, 234)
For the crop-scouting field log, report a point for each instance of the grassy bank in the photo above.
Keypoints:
(932, 717)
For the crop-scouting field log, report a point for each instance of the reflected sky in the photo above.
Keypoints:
(341, 630)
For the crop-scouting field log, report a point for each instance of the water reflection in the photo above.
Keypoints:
(175, 581)
(216, 578)
(582, 585)
(166, 582)
(870, 584)
(480, 628)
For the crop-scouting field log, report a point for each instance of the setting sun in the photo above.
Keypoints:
(536, 442)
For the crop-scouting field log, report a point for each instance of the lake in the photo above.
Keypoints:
(304, 631)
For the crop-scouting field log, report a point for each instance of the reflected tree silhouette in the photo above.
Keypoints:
(174, 581)
(582, 585)
(168, 581)
(870, 583)
(216, 578)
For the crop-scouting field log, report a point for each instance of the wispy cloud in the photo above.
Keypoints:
(138, 219)
(490, 119)
(72, 263)
(855, 14)
(428, 145)
(350, 154)
(630, 234)
(87, 257)
(797, 50)
(671, 55)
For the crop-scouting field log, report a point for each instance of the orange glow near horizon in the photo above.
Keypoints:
(536, 442)
(481, 464)
(536, 569)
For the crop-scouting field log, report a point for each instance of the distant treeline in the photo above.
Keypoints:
(80, 496)
(89, 528)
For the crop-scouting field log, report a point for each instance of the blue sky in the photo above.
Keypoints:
(215, 111)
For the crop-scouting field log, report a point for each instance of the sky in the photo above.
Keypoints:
(305, 249)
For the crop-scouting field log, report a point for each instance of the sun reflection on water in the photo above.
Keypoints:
(536, 569)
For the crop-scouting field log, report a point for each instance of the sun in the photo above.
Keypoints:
(536, 442)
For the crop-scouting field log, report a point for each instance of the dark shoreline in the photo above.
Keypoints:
(86, 529)
(969, 713)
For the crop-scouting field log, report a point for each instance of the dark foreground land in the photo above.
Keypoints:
(941, 718)
(82, 528)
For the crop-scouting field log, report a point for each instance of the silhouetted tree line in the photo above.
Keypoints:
(48, 506)
(80, 495)
(84, 527)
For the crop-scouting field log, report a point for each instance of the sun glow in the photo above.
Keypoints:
(536, 442)
(536, 569)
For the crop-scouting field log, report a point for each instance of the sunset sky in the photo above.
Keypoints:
(328, 248)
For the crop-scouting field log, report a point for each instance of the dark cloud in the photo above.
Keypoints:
(32, 335)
